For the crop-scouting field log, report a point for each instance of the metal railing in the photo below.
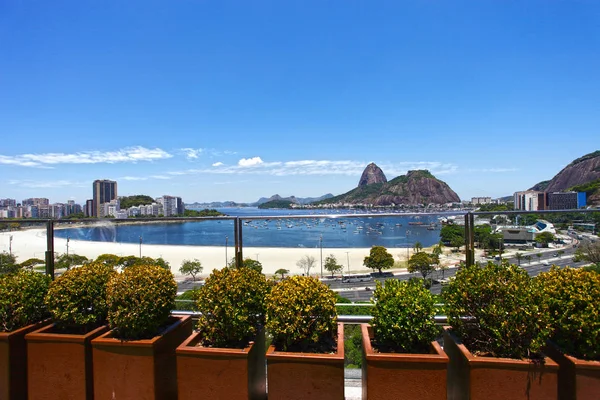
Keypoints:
(469, 225)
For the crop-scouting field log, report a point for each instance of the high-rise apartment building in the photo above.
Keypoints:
(526, 201)
(172, 205)
(104, 192)
(89, 208)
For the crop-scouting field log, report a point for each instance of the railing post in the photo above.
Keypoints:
(50, 249)
(236, 240)
(239, 254)
(469, 239)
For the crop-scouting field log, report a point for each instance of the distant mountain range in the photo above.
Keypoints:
(262, 200)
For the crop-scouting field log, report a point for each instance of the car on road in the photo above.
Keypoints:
(545, 262)
(555, 255)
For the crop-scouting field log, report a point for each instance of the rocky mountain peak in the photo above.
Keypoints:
(372, 174)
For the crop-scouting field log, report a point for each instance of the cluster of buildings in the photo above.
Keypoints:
(104, 203)
(531, 200)
(38, 207)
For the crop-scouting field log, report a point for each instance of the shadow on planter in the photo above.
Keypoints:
(402, 376)
(139, 369)
(490, 378)
(306, 375)
(59, 366)
(577, 379)
(13, 362)
(218, 373)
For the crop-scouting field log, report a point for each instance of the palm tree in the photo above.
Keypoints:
(518, 256)
(528, 258)
(418, 246)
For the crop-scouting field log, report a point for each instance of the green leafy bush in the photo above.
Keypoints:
(77, 298)
(140, 300)
(301, 315)
(232, 307)
(403, 317)
(22, 299)
(504, 315)
(572, 297)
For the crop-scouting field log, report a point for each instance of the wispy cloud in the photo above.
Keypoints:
(218, 164)
(125, 155)
(256, 165)
(192, 154)
(160, 177)
(47, 184)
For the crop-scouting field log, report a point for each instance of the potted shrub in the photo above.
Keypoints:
(136, 358)
(60, 354)
(572, 297)
(401, 359)
(498, 325)
(306, 358)
(225, 357)
(22, 310)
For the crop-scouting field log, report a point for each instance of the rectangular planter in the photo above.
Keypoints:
(59, 366)
(491, 378)
(402, 376)
(577, 379)
(306, 375)
(218, 373)
(139, 369)
(13, 362)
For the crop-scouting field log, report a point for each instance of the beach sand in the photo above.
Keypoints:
(31, 243)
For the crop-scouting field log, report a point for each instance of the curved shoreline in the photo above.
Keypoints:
(31, 243)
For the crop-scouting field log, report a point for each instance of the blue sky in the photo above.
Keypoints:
(234, 100)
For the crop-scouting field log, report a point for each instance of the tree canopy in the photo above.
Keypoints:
(379, 259)
(422, 263)
(191, 267)
(66, 261)
(136, 200)
(331, 265)
(8, 263)
(306, 263)
(282, 272)
(544, 238)
(452, 232)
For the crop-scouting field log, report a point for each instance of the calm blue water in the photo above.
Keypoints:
(277, 232)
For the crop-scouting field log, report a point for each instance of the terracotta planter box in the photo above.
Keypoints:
(490, 378)
(306, 375)
(577, 379)
(59, 366)
(402, 376)
(13, 362)
(139, 369)
(217, 373)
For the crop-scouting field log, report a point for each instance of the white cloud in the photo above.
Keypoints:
(319, 167)
(47, 184)
(192, 154)
(249, 162)
(218, 164)
(128, 154)
(160, 177)
(132, 178)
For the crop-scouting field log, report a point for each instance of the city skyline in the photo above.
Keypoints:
(235, 101)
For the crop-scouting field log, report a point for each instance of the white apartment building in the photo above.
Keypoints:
(526, 200)
(481, 200)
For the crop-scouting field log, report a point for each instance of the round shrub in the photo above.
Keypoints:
(140, 300)
(403, 317)
(22, 299)
(77, 298)
(572, 297)
(301, 315)
(232, 307)
(497, 311)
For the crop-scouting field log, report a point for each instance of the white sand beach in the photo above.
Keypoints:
(31, 243)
